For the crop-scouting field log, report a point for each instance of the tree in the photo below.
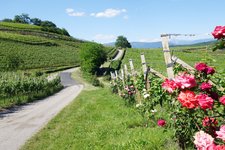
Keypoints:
(48, 24)
(122, 42)
(65, 32)
(92, 55)
(7, 20)
(36, 21)
(24, 18)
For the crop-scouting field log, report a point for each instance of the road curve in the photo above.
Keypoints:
(17, 126)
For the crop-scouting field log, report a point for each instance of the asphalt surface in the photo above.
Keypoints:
(19, 124)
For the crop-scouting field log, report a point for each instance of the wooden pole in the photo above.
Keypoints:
(132, 67)
(167, 56)
(145, 71)
(125, 71)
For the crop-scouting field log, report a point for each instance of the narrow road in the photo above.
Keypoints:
(17, 126)
(119, 55)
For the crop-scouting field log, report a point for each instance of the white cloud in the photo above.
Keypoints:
(71, 12)
(102, 38)
(109, 13)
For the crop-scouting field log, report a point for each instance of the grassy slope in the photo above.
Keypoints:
(99, 120)
(155, 58)
(36, 49)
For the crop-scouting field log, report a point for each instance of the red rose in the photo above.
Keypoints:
(209, 122)
(169, 85)
(209, 70)
(214, 95)
(200, 66)
(222, 100)
(204, 101)
(205, 86)
(187, 99)
(161, 122)
(219, 32)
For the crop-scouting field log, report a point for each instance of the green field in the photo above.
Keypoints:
(155, 58)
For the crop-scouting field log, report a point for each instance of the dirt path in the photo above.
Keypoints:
(19, 125)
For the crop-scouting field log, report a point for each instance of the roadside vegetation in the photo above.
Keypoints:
(19, 87)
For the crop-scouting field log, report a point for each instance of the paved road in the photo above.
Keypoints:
(18, 125)
(119, 55)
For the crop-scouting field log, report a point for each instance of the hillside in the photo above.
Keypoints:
(29, 47)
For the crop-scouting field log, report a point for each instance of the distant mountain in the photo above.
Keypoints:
(172, 43)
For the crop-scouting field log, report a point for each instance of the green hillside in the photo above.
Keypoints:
(190, 54)
(32, 48)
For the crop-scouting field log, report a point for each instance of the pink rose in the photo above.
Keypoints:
(222, 100)
(205, 86)
(221, 133)
(219, 147)
(187, 99)
(219, 32)
(203, 141)
(161, 122)
(204, 101)
(185, 81)
(200, 66)
(169, 85)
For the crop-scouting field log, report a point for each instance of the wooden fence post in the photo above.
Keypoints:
(167, 56)
(122, 76)
(145, 71)
(132, 67)
(125, 71)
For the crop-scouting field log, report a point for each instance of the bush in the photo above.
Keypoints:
(92, 55)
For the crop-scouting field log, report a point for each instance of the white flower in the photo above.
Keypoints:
(144, 90)
(138, 105)
(146, 95)
(154, 111)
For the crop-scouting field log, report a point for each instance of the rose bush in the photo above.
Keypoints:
(219, 34)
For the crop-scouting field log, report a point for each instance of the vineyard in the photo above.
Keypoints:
(36, 49)
(19, 87)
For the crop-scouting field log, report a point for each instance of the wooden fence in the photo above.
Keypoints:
(169, 61)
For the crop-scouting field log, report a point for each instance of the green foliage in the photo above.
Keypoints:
(17, 88)
(13, 62)
(23, 18)
(115, 64)
(92, 55)
(122, 42)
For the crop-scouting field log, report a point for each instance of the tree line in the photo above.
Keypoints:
(46, 25)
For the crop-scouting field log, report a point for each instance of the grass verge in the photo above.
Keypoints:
(99, 120)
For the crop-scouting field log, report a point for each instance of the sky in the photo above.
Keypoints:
(138, 20)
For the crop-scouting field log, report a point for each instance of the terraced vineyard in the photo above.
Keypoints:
(36, 49)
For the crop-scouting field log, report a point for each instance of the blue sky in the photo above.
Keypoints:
(138, 20)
